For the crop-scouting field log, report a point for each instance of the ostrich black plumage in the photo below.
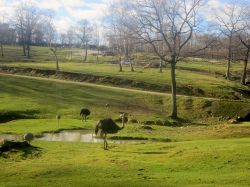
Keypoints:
(84, 113)
(108, 126)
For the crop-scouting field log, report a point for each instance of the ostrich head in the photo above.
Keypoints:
(123, 115)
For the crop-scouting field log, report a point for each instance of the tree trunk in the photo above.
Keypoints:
(54, 53)
(2, 49)
(57, 64)
(120, 64)
(86, 52)
(161, 66)
(173, 87)
(71, 54)
(28, 51)
(97, 57)
(244, 73)
(24, 50)
(229, 59)
(23, 42)
(131, 67)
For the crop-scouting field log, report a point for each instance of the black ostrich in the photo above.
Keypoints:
(84, 113)
(108, 126)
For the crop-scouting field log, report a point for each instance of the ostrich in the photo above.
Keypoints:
(108, 126)
(28, 137)
(58, 117)
(84, 113)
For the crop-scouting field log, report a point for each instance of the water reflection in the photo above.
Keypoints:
(71, 137)
(11, 137)
(68, 136)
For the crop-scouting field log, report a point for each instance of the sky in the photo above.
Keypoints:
(68, 12)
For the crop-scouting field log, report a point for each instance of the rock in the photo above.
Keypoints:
(232, 121)
(148, 122)
(134, 121)
(146, 127)
(159, 122)
(167, 123)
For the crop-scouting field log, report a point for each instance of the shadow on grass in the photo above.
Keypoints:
(6, 116)
(23, 148)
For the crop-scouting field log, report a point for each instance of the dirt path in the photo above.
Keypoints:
(101, 86)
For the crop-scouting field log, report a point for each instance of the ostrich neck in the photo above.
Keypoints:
(123, 124)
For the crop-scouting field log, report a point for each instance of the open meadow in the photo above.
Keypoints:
(199, 148)
(124, 93)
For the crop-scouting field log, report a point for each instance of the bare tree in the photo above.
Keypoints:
(26, 20)
(63, 37)
(120, 35)
(70, 39)
(51, 40)
(97, 40)
(19, 24)
(83, 32)
(171, 22)
(4, 32)
(229, 19)
(115, 37)
(244, 37)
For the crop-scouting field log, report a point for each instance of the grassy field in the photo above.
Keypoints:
(198, 77)
(200, 148)
(188, 82)
(193, 163)
(194, 76)
(44, 99)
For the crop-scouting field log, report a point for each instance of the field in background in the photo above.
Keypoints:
(194, 76)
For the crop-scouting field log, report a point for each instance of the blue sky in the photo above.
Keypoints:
(67, 12)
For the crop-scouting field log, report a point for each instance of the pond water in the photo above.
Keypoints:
(69, 136)
(11, 137)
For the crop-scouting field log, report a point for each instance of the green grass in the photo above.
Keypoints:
(193, 163)
(14, 53)
(200, 78)
(187, 81)
(203, 151)
(44, 99)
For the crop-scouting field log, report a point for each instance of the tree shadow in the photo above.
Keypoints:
(24, 148)
(6, 116)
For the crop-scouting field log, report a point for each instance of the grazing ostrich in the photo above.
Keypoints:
(58, 117)
(28, 137)
(84, 113)
(108, 126)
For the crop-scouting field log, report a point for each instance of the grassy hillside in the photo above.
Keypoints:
(199, 77)
(194, 153)
(43, 99)
(188, 82)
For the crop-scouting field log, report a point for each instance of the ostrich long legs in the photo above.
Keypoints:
(105, 141)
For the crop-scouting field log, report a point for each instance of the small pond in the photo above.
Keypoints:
(69, 136)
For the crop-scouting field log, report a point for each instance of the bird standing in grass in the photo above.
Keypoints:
(84, 113)
(28, 137)
(108, 126)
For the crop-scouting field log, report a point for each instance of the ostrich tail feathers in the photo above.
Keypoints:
(96, 129)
